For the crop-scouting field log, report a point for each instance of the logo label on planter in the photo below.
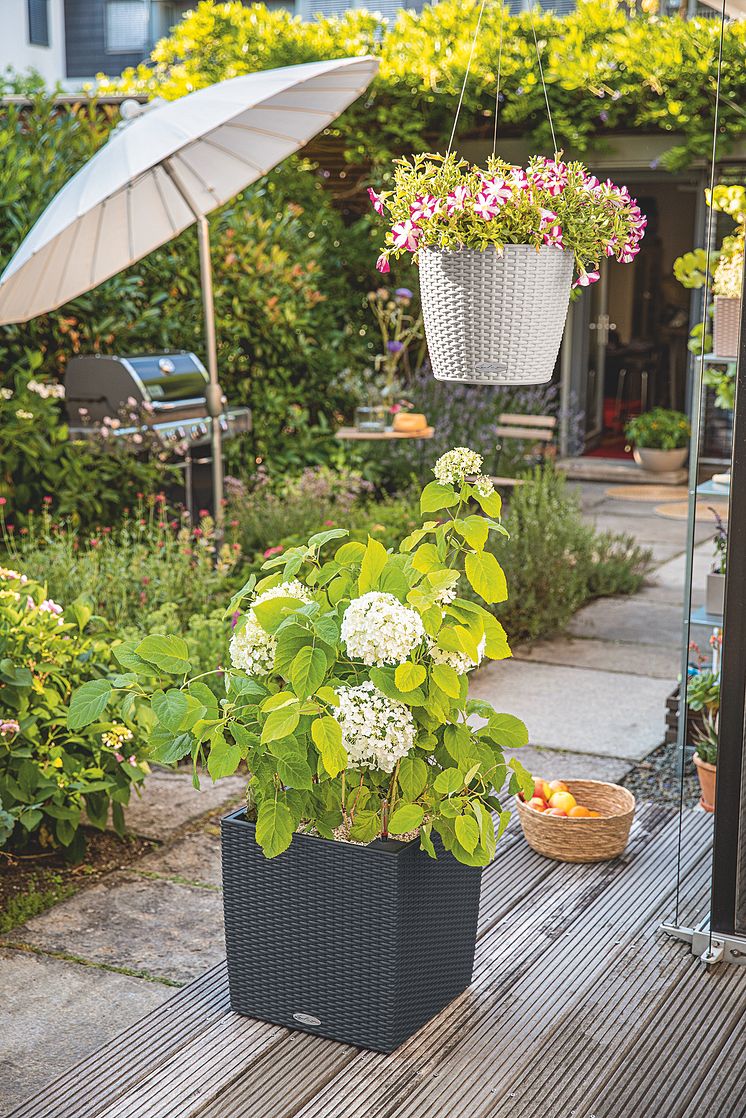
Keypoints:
(306, 1019)
(491, 368)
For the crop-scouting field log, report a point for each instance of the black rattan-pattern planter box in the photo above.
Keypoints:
(363, 944)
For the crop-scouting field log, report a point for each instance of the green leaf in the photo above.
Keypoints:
(374, 560)
(328, 695)
(412, 776)
(307, 671)
(486, 577)
(321, 538)
(272, 613)
(447, 680)
(295, 772)
(224, 758)
(496, 645)
(88, 703)
(406, 818)
(280, 723)
(426, 558)
(426, 842)
(169, 654)
(239, 596)
(274, 828)
(491, 503)
(203, 694)
(448, 782)
(290, 640)
(467, 832)
(524, 778)
(503, 820)
(366, 826)
(166, 747)
(436, 496)
(408, 676)
(475, 530)
(351, 552)
(279, 700)
(383, 678)
(507, 731)
(175, 710)
(327, 736)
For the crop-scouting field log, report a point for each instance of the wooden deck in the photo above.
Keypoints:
(579, 1008)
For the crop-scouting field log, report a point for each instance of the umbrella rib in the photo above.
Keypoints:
(94, 255)
(178, 156)
(63, 271)
(273, 135)
(243, 160)
(164, 200)
(130, 228)
(269, 107)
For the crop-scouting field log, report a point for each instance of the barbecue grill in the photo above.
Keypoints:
(170, 391)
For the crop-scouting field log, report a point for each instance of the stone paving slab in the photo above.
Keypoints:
(577, 709)
(634, 620)
(555, 764)
(169, 800)
(193, 858)
(651, 661)
(56, 1012)
(164, 929)
(648, 529)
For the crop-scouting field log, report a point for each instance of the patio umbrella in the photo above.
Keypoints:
(165, 167)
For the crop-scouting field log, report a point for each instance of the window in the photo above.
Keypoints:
(127, 26)
(38, 22)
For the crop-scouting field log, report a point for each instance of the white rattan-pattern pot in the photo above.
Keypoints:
(726, 326)
(495, 319)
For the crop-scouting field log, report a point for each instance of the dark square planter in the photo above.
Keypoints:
(363, 944)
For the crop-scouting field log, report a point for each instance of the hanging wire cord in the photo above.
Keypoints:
(499, 73)
(694, 473)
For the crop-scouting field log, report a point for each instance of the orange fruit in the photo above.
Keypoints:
(579, 812)
(563, 800)
(595, 815)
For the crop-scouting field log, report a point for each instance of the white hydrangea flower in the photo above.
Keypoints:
(376, 731)
(459, 661)
(447, 595)
(253, 649)
(455, 465)
(484, 485)
(378, 629)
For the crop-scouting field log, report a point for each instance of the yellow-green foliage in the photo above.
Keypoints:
(605, 70)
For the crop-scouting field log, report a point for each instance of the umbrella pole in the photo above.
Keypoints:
(214, 391)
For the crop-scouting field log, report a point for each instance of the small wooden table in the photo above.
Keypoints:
(355, 435)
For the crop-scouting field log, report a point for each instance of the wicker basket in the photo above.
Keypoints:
(495, 319)
(582, 840)
(726, 326)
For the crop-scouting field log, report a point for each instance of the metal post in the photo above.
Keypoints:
(214, 392)
(729, 858)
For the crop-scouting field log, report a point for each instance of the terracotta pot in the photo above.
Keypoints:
(660, 461)
(706, 773)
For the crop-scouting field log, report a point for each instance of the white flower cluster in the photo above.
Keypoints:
(6, 393)
(52, 390)
(453, 466)
(459, 661)
(376, 731)
(378, 629)
(252, 648)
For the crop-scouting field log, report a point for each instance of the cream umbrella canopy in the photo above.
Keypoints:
(167, 166)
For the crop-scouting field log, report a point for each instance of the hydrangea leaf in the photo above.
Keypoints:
(486, 577)
(405, 819)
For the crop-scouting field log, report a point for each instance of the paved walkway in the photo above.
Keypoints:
(77, 975)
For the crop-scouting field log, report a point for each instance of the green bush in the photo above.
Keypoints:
(53, 778)
(149, 560)
(556, 560)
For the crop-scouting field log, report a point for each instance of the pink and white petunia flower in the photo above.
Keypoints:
(406, 235)
(519, 179)
(485, 206)
(376, 200)
(585, 279)
(553, 236)
(457, 199)
(612, 246)
(498, 189)
(426, 206)
(382, 263)
(548, 217)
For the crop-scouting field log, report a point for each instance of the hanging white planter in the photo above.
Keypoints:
(726, 326)
(495, 318)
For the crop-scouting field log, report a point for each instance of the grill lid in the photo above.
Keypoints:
(102, 384)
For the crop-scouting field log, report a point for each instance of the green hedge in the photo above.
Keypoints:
(607, 72)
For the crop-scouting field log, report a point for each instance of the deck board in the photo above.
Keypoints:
(572, 987)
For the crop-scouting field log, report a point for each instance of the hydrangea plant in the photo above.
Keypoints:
(445, 202)
(348, 694)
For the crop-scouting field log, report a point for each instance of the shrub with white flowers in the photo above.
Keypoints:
(378, 629)
(347, 694)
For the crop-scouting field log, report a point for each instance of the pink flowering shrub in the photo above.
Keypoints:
(448, 203)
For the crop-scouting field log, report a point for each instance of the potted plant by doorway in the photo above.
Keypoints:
(499, 250)
(705, 759)
(352, 875)
(660, 439)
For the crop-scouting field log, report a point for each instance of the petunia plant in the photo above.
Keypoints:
(347, 696)
(445, 202)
